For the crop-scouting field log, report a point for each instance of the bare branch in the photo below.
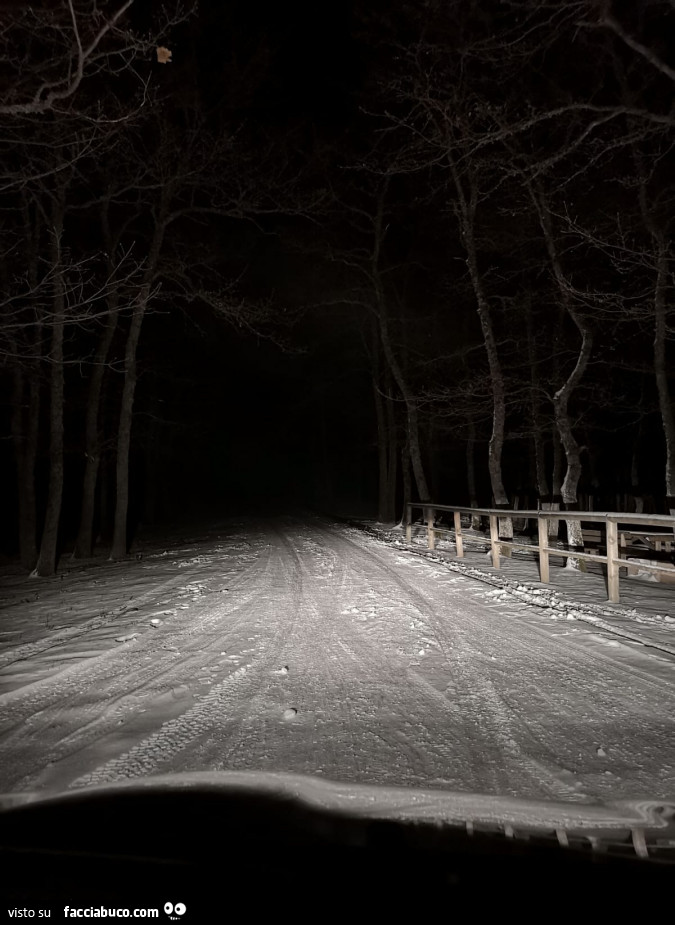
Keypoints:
(647, 53)
(66, 86)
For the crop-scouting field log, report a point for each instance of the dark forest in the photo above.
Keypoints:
(334, 257)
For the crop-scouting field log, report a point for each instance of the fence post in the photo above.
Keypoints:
(458, 535)
(408, 524)
(431, 533)
(612, 564)
(542, 526)
(494, 539)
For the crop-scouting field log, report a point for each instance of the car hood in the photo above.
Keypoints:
(643, 827)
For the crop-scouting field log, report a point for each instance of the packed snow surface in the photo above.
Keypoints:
(298, 645)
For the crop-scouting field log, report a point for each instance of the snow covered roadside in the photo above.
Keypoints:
(646, 616)
(95, 605)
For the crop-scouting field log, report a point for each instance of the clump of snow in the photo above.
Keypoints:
(642, 573)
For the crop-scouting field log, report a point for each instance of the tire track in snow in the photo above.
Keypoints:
(224, 700)
(658, 683)
(27, 650)
(494, 704)
(66, 711)
(421, 745)
(237, 724)
(521, 718)
(262, 714)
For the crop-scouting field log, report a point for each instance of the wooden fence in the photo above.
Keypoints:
(616, 527)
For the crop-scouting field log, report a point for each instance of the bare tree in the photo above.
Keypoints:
(382, 311)
(21, 332)
(54, 52)
(115, 268)
(360, 210)
(563, 395)
(54, 118)
(663, 254)
(192, 173)
(46, 563)
(387, 438)
(467, 199)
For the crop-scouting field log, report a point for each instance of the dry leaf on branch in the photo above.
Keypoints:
(163, 55)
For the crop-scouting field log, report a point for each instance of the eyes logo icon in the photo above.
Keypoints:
(174, 912)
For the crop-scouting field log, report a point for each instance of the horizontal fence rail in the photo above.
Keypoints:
(617, 529)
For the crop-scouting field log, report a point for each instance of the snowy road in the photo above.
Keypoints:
(326, 652)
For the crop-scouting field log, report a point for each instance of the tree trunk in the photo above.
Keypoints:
(572, 454)
(538, 428)
(543, 491)
(432, 456)
(467, 214)
(105, 503)
(46, 563)
(661, 373)
(415, 451)
(387, 451)
(120, 538)
(25, 422)
(392, 463)
(496, 444)
(593, 473)
(84, 541)
(383, 420)
(562, 397)
(155, 448)
(635, 481)
(24, 430)
(556, 482)
(120, 525)
(405, 475)
(395, 367)
(382, 453)
(573, 473)
(661, 284)
(471, 472)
